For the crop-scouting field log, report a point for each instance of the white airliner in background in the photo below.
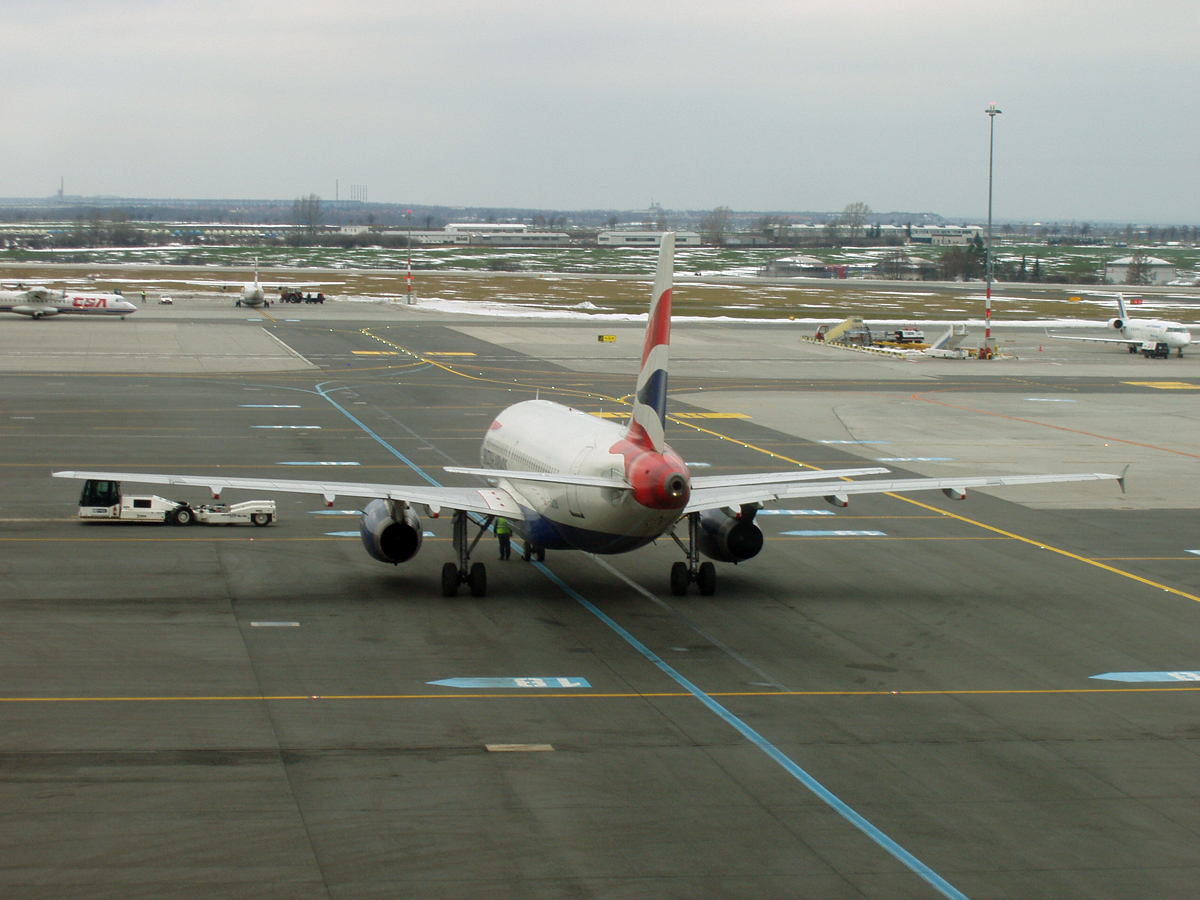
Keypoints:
(252, 292)
(42, 302)
(1136, 332)
(569, 480)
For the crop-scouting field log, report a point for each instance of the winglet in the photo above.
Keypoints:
(647, 426)
(1121, 478)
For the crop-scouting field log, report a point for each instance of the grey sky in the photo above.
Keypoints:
(805, 104)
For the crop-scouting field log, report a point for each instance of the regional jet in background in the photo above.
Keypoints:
(568, 480)
(42, 302)
(253, 293)
(1137, 333)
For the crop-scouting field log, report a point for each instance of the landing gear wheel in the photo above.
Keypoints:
(260, 519)
(478, 580)
(706, 578)
(184, 516)
(541, 554)
(449, 580)
(528, 554)
(679, 579)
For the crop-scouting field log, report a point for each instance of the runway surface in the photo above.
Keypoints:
(894, 700)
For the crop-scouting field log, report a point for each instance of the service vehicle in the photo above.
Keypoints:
(104, 501)
(165, 300)
(1156, 349)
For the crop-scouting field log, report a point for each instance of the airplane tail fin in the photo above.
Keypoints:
(647, 425)
(1121, 307)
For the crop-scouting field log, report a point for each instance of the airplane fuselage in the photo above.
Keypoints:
(43, 304)
(1173, 334)
(541, 436)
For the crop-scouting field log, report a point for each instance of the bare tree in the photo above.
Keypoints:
(715, 225)
(306, 211)
(1139, 270)
(855, 216)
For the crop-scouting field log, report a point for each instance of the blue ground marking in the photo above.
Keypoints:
(1148, 676)
(388, 447)
(858, 821)
(335, 512)
(543, 682)
(834, 533)
(831, 799)
(1197, 552)
(316, 463)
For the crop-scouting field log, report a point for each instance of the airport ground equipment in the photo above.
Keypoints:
(947, 346)
(851, 331)
(104, 501)
(1156, 350)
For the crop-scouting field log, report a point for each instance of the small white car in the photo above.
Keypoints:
(166, 300)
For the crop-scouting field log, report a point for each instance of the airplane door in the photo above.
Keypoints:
(573, 502)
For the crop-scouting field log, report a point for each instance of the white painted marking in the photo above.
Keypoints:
(335, 512)
(20, 417)
(519, 748)
(835, 533)
(698, 465)
(274, 624)
(287, 426)
(342, 533)
(1048, 400)
(269, 405)
(795, 512)
(914, 459)
(853, 442)
(1197, 552)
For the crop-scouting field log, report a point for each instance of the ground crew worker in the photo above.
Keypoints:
(143, 298)
(504, 536)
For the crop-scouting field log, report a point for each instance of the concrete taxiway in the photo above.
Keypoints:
(893, 700)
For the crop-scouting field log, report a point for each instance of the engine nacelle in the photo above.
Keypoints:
(1117, 324)
(35, 312)
(390, 531)
(729, 538)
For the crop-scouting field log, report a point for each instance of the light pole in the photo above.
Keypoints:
(408, 274)
(992, 112)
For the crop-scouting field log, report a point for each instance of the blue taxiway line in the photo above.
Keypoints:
(945, 888)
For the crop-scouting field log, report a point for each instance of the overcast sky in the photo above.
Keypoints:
(788, 105)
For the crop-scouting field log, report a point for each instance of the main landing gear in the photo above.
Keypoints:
(474, 575)
(684, 573)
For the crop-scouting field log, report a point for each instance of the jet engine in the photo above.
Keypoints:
(1118, 324)
(729, 538)
(390, 531)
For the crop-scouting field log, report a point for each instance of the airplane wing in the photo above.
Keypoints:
(1099, 340)
(702, 481)
(486, 501)
(749, 492)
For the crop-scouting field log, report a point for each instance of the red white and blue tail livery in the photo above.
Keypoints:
(567, 480)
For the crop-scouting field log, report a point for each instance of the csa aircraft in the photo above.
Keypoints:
(568, 480)
(40, 303)
(1135, 332)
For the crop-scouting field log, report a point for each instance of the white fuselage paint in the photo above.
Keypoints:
(541, 436)
(1173, 334)
(44, 304)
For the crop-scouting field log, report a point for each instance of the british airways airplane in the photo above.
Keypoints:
(568, 480)
(41, 303)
